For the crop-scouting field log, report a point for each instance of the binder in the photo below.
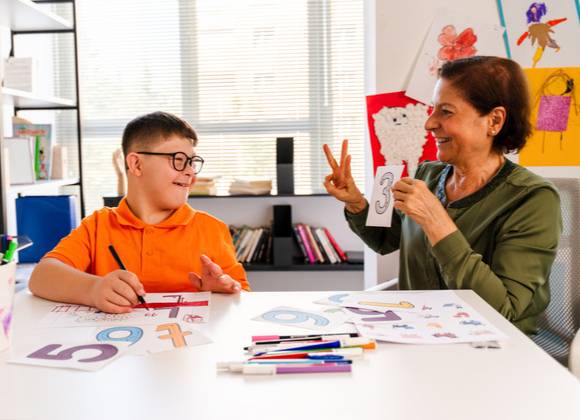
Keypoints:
(32, 213)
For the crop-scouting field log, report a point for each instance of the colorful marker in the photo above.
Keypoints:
(256, 338)
(9, 254)
(335, 344)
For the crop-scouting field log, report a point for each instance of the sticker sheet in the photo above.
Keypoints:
(425, 317)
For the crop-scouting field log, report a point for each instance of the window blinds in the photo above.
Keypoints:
(242, 72)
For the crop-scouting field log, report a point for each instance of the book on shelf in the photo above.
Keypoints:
(335, 245)
(305, 240)
(21, 154)
(42, 136)
(253, 245)
(250, 185)
(204, 185)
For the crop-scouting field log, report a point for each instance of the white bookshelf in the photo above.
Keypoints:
(17, 16)
(42, 187)
(24, 15)
(23, 99)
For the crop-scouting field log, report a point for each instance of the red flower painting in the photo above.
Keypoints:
(456, 46)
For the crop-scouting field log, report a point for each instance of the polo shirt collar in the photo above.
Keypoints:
(181, 217)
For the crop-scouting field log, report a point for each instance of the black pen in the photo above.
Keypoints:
(122, 267)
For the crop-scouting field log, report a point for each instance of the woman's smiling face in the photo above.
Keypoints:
(460, 131)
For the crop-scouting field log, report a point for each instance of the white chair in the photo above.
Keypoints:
(574, 360)
(387, 285)
(561, 320)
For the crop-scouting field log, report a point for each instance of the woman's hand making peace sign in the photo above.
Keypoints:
(340, 183)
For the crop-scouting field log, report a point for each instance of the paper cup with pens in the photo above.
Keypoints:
(7, 280)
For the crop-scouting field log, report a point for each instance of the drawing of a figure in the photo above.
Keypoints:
(538, 31)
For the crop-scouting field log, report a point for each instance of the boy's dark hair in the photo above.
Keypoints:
(489, 82)
(149, 129)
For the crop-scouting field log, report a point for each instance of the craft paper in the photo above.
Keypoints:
(452, 36)
(397, 131)
(312, 320)
(381, 205)
(72, 354)
(542, 34)
(165, 337)
(555, 118)
(425, 317)
(68, 315)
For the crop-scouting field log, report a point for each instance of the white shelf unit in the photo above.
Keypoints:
(25, 16)
(42, 187)
(21, 99)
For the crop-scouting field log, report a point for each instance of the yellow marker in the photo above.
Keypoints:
(175, 334)
(402, 304)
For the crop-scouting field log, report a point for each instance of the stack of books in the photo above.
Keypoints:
(253, 245)
(204, 185)
(251, 185)
(318, 245)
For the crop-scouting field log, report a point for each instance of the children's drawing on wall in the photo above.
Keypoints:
(453, 46)
(555, 118)
(450, 37)
(542, 34)
(397, 132)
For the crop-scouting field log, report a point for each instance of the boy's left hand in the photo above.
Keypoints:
(213, 278)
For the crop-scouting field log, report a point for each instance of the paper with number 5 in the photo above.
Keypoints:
(381, 204)
(82, 355)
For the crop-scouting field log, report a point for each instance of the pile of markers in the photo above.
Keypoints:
(316, 353)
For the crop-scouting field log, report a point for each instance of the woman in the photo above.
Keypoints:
(473, 219)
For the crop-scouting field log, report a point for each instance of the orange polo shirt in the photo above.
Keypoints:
(161, 255)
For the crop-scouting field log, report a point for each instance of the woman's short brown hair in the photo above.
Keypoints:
(489, 82)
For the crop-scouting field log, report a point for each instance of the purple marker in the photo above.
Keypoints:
(278, 370)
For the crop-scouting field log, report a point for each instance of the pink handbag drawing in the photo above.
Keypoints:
(554, 110)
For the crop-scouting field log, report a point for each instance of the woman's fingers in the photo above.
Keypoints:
(343, 153)
(330, 157)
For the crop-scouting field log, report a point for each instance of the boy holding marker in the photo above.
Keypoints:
(165, 245)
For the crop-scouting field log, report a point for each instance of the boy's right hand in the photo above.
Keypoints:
(116, 293)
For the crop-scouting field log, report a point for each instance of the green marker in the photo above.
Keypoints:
(9, 254)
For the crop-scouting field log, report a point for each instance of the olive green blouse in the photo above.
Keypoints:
(506, 242)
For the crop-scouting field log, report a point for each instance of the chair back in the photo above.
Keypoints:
(559, 323)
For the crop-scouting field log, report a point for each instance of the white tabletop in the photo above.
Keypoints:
(397, 381)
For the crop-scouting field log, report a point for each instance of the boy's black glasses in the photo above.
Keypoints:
(180, 160)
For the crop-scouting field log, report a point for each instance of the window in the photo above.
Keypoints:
(242, 72)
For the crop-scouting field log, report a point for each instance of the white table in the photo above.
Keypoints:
(518, 381)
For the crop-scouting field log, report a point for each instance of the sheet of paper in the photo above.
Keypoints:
(304, 318)
(188, 308)
(381, 204)
(426, 317)
(452, 35)
(74, 354)
(171, 336)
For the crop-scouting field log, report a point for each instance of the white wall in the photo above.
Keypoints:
(395, 33)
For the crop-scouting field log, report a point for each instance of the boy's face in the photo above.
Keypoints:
(164, 186)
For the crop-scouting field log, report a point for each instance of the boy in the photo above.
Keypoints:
(165, 245)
